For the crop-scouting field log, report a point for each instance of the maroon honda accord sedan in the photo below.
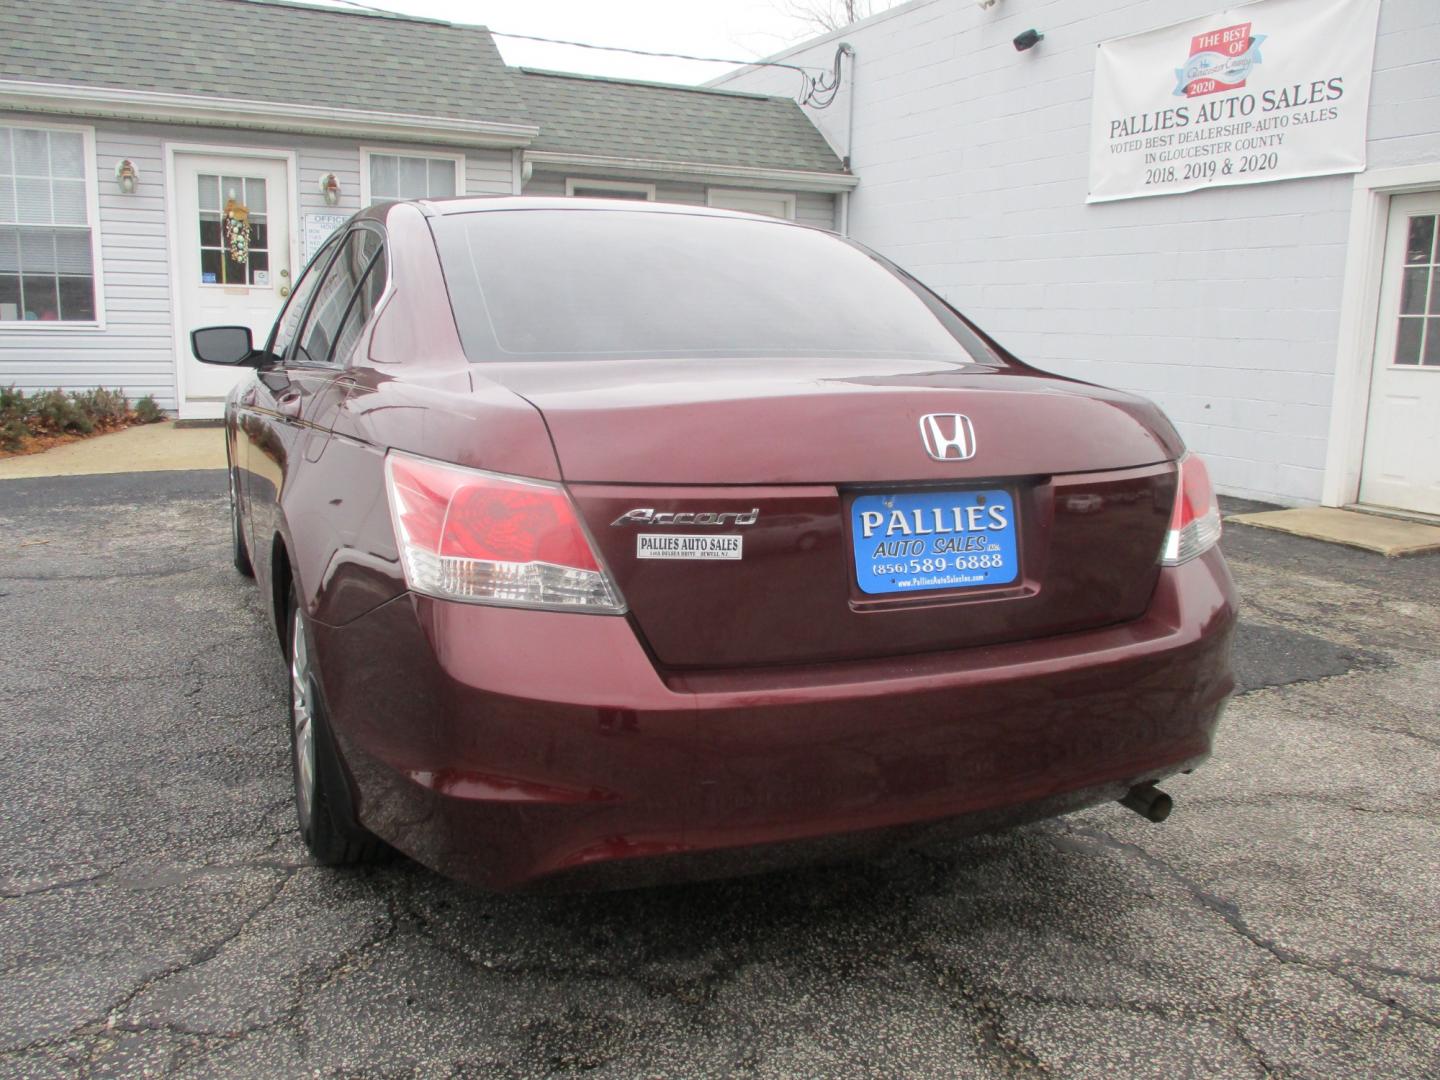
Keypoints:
(613, 543)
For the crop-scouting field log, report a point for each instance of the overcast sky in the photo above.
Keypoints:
(742, 29)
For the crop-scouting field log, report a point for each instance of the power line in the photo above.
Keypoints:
(818, 85)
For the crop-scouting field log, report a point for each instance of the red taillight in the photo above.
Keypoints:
(470, 535)
(1195, 520)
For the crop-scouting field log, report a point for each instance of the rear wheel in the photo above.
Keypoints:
(327, 823)
(237, 536)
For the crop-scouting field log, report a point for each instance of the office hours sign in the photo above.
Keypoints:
(1272, 90)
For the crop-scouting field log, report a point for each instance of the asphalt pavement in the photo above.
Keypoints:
(158, 915)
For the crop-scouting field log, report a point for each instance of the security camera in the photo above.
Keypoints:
(1027, 40)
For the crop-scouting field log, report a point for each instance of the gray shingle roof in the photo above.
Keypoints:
(582, 114)
(264, 51)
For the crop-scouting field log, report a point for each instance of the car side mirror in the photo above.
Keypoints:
(230, 346)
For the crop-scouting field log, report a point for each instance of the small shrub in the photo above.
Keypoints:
(105, 408)
(13, 434)
(13, 405)
(80, 412)
(147, 412)
(57, 412)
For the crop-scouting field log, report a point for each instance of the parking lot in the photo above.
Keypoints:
(159, 915)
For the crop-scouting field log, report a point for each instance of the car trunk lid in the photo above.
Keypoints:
(723, 497)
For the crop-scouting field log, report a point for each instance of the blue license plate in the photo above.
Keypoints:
(927, 540)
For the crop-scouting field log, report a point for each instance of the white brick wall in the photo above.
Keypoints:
(1221, 305)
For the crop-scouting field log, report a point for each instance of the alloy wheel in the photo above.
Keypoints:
(302, 713)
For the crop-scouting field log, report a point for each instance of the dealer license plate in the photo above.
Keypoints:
(926, 540)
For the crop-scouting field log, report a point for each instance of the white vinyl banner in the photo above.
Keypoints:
(1268, 91)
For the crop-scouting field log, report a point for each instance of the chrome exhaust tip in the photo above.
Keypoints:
(1149, 802)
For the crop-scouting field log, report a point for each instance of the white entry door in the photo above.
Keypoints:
(1402, 433)
(233, 272)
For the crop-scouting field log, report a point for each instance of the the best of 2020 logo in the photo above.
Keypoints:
(1219, 60)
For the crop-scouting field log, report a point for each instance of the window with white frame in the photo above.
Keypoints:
(774, 203)
(401, 176)
(47, 268)
(609, 189)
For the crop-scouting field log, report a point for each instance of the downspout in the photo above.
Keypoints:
(848, 50)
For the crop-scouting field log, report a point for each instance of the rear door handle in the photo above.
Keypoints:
(288, 403)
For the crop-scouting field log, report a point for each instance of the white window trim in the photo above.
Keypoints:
(1359, 314)
(462, 186)
(785, 197)
(92, 210)
(572, 182)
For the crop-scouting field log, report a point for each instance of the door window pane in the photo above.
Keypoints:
(1417, 339)
(1413, 289)
(1431, 357)
(218, 197)
(1421, 241)
(1407, 340)
(210, 193)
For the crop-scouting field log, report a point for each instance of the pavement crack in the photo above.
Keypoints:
(57, 886)
(114, 1015)
(1229, 913)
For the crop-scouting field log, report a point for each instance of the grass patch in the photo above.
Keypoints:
(38, 421)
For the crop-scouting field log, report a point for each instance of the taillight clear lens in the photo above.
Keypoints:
(1195, 521)
(491, 539)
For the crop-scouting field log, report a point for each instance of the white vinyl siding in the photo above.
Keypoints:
(489, 172)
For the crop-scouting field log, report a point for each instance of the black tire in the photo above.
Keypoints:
(237, 536)
(322, 801)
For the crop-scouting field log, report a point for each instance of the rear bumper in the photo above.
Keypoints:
(513, 748)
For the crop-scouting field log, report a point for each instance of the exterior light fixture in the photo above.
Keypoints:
(125, 175)
(1027, 39)
(986, 5)
(330, 188)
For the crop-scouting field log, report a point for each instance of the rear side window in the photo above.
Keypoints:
(574, 284)
(332, 300)
(362, 306)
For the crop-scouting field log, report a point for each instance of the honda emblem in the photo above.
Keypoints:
(948, 436)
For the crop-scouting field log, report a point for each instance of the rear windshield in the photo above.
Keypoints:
(610, 284)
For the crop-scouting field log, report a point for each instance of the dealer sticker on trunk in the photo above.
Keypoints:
(923, 540)
(682, 546)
